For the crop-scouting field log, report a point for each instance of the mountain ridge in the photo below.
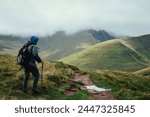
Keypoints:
(114, 54)
(55, 46)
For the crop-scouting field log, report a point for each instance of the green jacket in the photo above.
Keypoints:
(34, 50)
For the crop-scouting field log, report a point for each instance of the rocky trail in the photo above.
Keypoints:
(88, 85)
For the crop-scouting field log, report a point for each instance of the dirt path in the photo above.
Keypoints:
(98, 95)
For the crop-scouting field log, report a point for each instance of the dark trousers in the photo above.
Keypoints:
(27, 70)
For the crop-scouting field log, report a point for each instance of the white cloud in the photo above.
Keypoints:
(47, 16)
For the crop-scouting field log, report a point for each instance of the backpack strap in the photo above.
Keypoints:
(28, 44)
(31, 50)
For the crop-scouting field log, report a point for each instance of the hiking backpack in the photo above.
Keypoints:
(24, 56)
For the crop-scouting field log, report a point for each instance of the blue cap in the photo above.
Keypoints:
(34, 39)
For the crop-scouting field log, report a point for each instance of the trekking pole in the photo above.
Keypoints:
(42, 75)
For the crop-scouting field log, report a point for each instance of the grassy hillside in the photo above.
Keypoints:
(60, 44)
(58, 80)
(9, 47)
(57, 45)
(143, 72)
(130, 54)
(10, 44)
(124, 85)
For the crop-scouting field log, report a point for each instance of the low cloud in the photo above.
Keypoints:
(130, 17)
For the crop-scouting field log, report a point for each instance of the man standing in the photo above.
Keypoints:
(31, 67)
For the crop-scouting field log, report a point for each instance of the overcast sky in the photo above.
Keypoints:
(129, 17)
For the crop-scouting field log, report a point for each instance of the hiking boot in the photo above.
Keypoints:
(35, 92)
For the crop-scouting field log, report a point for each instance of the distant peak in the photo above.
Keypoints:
(101, 35)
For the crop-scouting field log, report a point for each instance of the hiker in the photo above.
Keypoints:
(30, 65)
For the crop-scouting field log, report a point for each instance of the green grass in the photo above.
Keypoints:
(117, 54)
(60, 44)
(57, 80)
(124, 85)
(143, 72)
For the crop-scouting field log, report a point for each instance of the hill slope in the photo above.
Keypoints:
(124, 85)
(10, 44)
(57, 45)
(60, 44)
(128, 54)
(58, 81)
(143, 72)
